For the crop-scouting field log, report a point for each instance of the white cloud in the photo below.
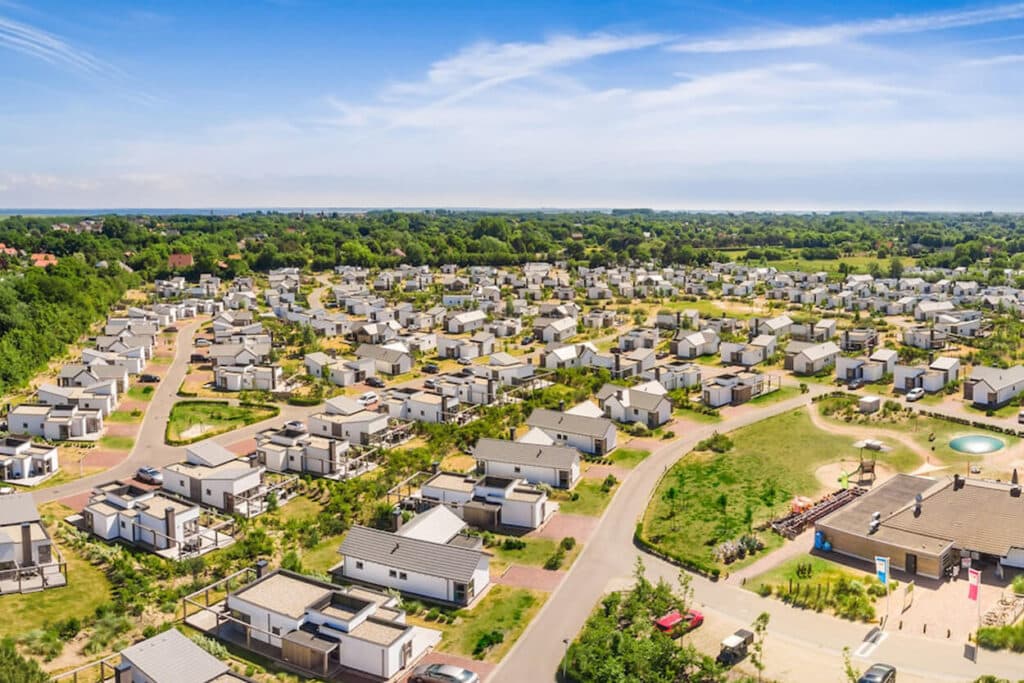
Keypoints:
(37, 43)
(817, 36)
(998, 60)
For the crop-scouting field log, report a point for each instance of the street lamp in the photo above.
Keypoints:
(565, 658)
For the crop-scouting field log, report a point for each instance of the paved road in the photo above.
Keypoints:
(607, 562)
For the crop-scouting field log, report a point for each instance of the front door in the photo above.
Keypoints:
(45, 554)
(911, 564)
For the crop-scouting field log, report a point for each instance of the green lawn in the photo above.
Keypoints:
(535, 554)
(125, 416)
(822, 585)
(162, 360)
(1011, 409)
(590, 499)
(87, 588)
(141, 392)
(215, 417)
(781, 394)
(822, 571)
(699, 418)
(628, 457)
(718, 497)
(117, 443)
(504, 609)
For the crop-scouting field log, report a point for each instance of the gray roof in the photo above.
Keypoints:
(210, 453)
(517, 453)
(170, 657)
(566, 422)
(17, 508)
(644, 400)
(411, 554)
(380, 353)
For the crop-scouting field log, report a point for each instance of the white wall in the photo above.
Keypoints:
(415, 583)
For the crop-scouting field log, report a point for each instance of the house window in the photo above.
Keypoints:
(403, 576)
(359, 564)
(208, 492)
(276, 630)
(392, 573)
(122, 523)
(517, 469)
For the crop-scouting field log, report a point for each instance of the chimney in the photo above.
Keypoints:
(490, 391)
(435, 467)
(261, 568)
(1013, 477)
(123, 672)
(958, 482)
(26, 544)
(618, 362)
(561, 405)
(396, 519)
(511, 433)
(170, 520)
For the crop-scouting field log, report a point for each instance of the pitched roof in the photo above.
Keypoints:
(565, 422)
(170, 657)
(17, 508)
(411, 554)
(519, 453)
(380, 353)
(209, 453)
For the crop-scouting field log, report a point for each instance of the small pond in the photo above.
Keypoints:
(976, 444)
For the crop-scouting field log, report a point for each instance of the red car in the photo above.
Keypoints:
(675, 623)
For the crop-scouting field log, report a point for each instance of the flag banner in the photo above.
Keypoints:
(882, 569)
(973, 583)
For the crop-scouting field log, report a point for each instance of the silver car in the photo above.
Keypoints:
(442, 673)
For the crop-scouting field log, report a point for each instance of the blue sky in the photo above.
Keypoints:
(698, 105)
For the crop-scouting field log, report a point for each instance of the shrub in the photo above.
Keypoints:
(609, 483)
(486, 641)
(513, 544)
(764, 590)
(719, 443)
(568, 543)
(555, 561)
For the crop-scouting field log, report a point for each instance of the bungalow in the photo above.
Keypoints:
(28, 559)
(78, 375)
(214, 476)
(100, 397)
(927, 338)
(779, 326)
(593, 435)
(757, 351)
(160, 659)
(150, 520)
(420, 406)
(927, 310)
(55, 423)
(247, 377)
(599, 318)
(428, 557)
(810, 359)
(690, 345)
(240, 354)
(468, 321)
(375, 333)
(387, 361)
(676, 375)
(554, 465)
(638, 338)
(734, 389)
(26, 463)
(488, 502)
(322, 628)
(645, 403)
(557, 330)
(990, 388)
(867, 368)
(296, 450)
(858, 339)
(353, 424)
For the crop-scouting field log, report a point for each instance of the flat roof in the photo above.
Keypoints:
(284, 594)
(379, 631)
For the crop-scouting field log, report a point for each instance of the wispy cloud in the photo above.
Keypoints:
(40, 44)
(998, 60)
(816, 36)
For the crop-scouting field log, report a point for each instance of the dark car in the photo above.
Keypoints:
(528, 339)
(442, 673)
(854, 384)
(879, 673)
(149, 379)
(149, 475)
(431, 368)
(375, 382)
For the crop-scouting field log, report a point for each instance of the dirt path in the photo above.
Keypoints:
(868, 432)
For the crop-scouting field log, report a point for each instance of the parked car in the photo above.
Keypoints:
(879, 673)
(734, 647)
(431, 368)
(202, 341)
(915, 394)
(149, 379)
(368, 398)
(854, 384)
(676, 623)
(375, 382)
(442, 673)
(430, 383)
(527, 340)
(172, 328)
(295, 425)
(1020, 417)
(149, 475)
(198, 358)
(465, 361)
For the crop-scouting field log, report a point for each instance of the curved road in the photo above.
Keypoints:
(795, 638)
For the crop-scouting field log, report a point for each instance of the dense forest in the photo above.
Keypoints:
(260, 241)
(44, 310)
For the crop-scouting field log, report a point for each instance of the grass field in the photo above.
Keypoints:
(781, 394)
(822, 571)
(719, 497)
(125, 416)
(535, 554)
(141, 392)
(117, 443)
(628, 457)
(590, 498)
(504, 610)
(87, 589)
(215, 417)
